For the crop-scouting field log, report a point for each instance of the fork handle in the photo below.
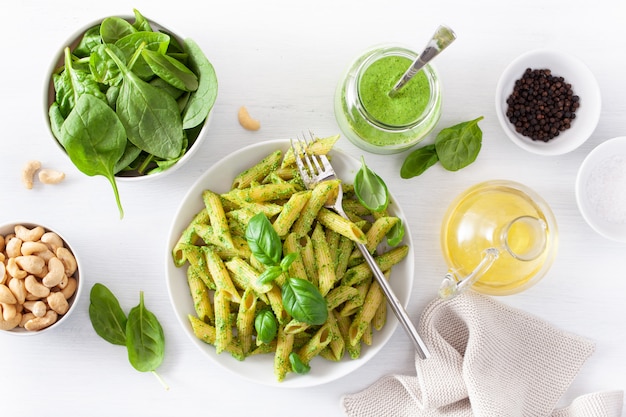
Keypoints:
(395, 304)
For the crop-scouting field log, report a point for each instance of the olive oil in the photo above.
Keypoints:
(496, 215)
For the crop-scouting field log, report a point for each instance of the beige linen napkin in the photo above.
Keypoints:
(487, 359)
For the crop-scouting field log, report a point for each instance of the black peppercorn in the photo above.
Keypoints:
(541, 105)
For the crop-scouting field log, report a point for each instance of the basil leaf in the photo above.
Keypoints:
(370, 189)
(458, 146)
(266, 326)
(263, 240)
(269, 275)
(145, 341)
(396, 234)
(94, 139)
(297, 365)
(419, 161)
(303, 301)
(106, 315)
(201, 101)
(287, 261)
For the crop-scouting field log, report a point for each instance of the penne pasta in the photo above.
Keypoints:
(259, 171)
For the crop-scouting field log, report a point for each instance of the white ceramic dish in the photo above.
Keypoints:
(8, 228)
(259, 368)
(49, 97)
(601, 189)
(583, 84)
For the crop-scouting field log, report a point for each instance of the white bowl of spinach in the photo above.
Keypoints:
(129, 99)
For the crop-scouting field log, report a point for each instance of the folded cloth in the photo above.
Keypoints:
(487, 359)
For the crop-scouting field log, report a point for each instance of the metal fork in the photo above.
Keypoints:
(317, 168)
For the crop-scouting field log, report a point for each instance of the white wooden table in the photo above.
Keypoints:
(282, 59)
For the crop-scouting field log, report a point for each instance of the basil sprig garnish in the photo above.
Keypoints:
(301, 299)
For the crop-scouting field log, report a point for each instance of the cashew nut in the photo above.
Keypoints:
(35, 288)
(25, 318)
(39, 323)
(10, 324)
(28, 173)
(38, 308)
(70, 288)
(14, 270)
(13, 247)
(30, 248)
(32, 264)
(68, 260)
(50, 176)
(18, 289)
(53, 240)
(56, 271)
(3, 272)
(1, 243)
(8, 311)
(58, 303)
(246, 121)
(29, 235)
(6, 296)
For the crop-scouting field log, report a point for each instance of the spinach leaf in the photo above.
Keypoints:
(263, 240)
(115, 28)
(201, 101)
(419, 161)
(154, 41)
(458, 146)
(303, 301)
(141, 23)
(370, 189)
(266, 326)
(297, 365)
(94, 139)
(150, 116)
(88, 42)
(145, 340)
(106, 315)
(72, 83)
(171, 70)
(56, 120)
(103, 68)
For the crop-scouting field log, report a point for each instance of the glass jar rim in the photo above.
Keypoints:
(434, 88)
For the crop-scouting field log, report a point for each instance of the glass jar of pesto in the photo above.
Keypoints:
(373, 120)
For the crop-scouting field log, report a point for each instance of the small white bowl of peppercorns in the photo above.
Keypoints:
(548, 102)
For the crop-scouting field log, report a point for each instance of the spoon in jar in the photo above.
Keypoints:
(443, 37)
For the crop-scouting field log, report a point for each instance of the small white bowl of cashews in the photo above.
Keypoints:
(39, 278)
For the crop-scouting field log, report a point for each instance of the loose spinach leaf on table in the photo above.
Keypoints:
(145, 340)
(455, 147)
(94, 139)
(106, 315)
(458, 146)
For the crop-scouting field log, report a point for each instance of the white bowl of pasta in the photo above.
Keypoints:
(185, 246)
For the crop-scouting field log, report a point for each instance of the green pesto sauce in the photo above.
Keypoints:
(406, 106)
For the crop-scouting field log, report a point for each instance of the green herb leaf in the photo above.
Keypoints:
(269, 275)
(171, 70)
(370, 189)
(303, 301)
(88, 42)
(458, 146)
(419, 161)
(150, 116)
(266, 326)
(145, 340)
(396, 234)
(103, 68)
(141, 23)
(106, 315)
(297, 365)
(201, 101)
(94, 139)
(115, 28)
(288, 260)
(263, 240)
